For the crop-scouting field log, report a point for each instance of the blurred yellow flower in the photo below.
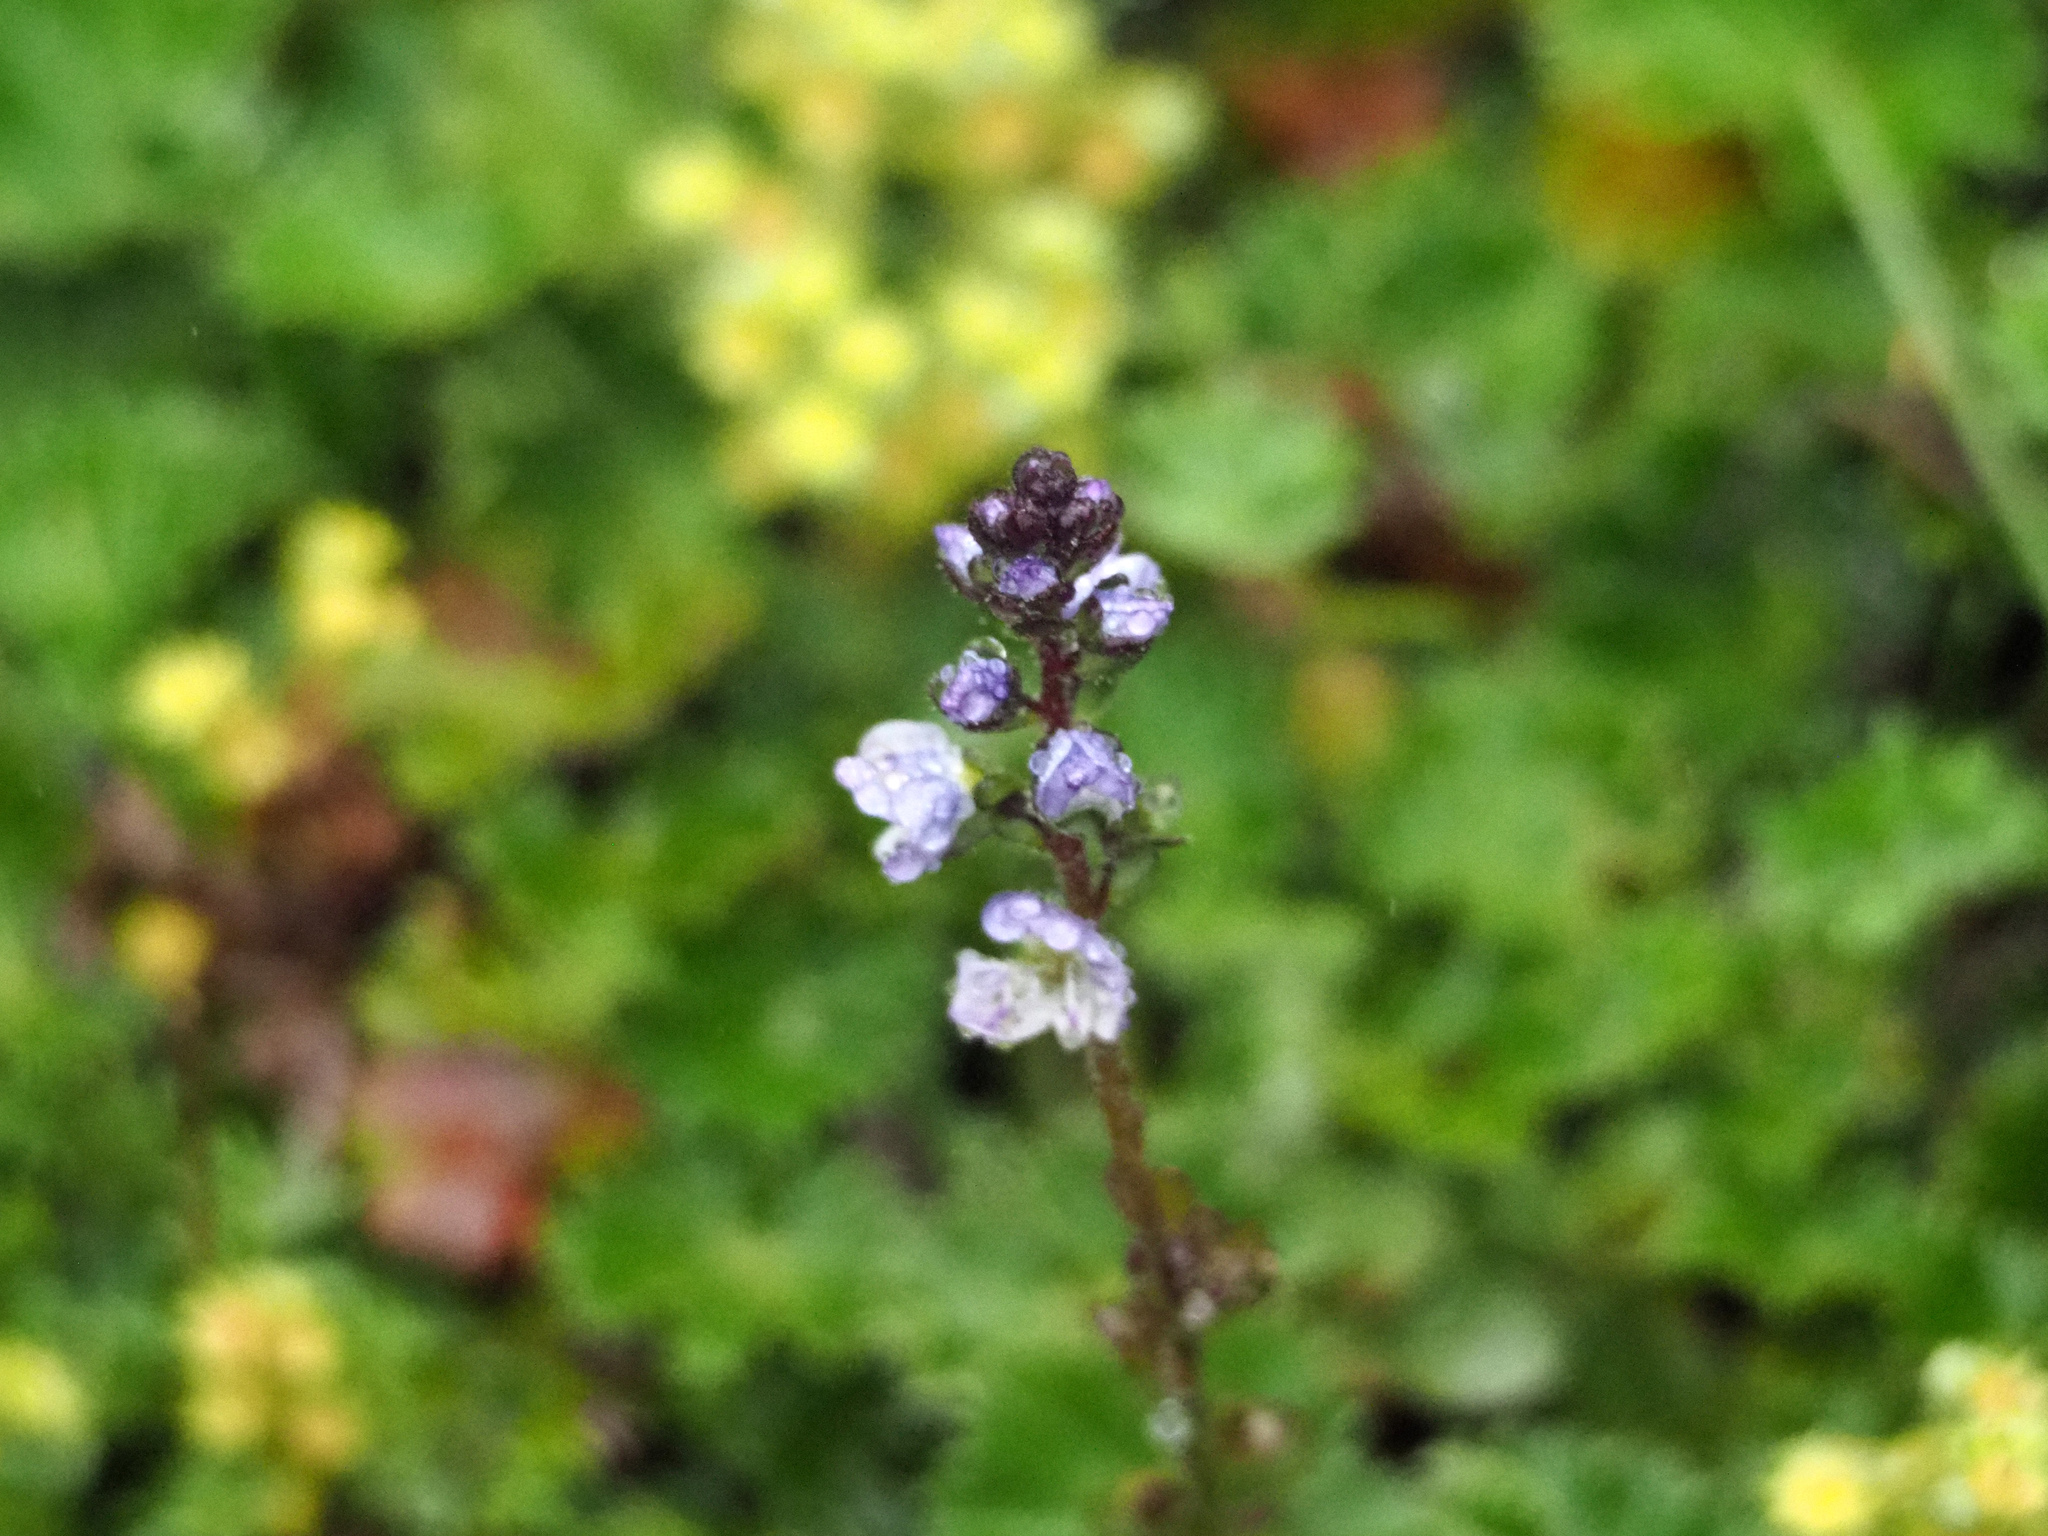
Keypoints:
(1051, 41)
(182, 689)
(252, 755)
(831, 121)
(740, 350)
(876, 351)
(337, 571)
(1001, 137)
(830, 315)
(332, 621)
(814, 279)
(1058, 237)
(1164, 113)
(261, 1358)
(340, 544)
(226, 1418)
(163, 946)
(987, 321)
(2006, 1485)
(2004, 1388)
(324, 1436)
(688, 188)
(1823, 1487)
(1051, 382)
(39, 1397)
(820, 442)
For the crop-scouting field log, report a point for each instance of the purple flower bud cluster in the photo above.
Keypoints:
(1046, 555)
(1045, 558)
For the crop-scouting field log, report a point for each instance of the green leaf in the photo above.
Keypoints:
(1240, 475)
(1865, 859)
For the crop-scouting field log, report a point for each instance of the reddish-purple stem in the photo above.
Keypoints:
(1133, 1186)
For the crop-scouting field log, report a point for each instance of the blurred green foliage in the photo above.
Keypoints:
(1610, 727)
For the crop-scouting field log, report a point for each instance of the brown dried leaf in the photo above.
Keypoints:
(1325, 117)
(461, 1142)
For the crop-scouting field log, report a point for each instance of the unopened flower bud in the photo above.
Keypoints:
(1083, 770)
(958, 550)
(993, 519)
(1046, 477)
(1132, 617)
(979, 692)
(1027, 579)
(1091, 523)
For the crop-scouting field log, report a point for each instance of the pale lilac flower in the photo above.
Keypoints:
(1082, 769)
(1027, 578)
(1132, 615)
(1130, 594)
(1134, 570)
(909, 773)
(958, 549)
(978, 691)
(1069, 979)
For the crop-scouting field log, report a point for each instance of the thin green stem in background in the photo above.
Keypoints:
(1911, 271)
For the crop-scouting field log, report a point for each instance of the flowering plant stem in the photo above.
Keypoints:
(1135, 1190)
(1046, 559)
(1133, 1185)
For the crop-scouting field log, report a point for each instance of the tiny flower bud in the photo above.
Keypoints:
(1046, 477)
(958, 550)
(992, 518)
(1092, 522)
(1082, 770)
(978, 692)
(1130, 600)
(1027, 579)
(1132, 618)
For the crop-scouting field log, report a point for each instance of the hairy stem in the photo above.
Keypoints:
(1135, 1190)
(1059, 683)
(1134, 1186)
(1914, 280)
